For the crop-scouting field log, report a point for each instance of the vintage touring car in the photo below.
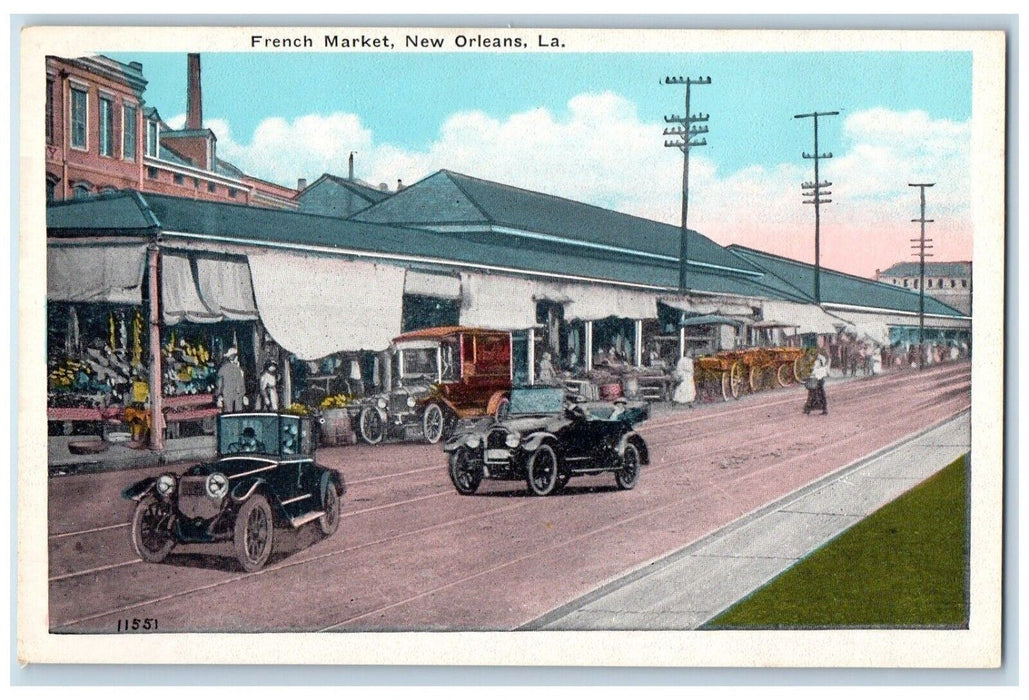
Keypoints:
(438, 376)
(546, 440)
(265, 476)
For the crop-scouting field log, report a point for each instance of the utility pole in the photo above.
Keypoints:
(686, 133)
(922, 255)
(816, 191)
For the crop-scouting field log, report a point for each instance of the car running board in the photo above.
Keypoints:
(306, 518)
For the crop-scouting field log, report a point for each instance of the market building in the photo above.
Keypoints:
(150, 290)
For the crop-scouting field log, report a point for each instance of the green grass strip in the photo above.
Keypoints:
(906, 565)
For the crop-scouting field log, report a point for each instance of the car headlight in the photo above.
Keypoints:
(381, 403)
(410, 402)
(511, 440)
(472, 441)
(165, 485)
(217, 485)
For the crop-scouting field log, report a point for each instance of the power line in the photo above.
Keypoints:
(816, 191)
(686, 134)
(922, 255)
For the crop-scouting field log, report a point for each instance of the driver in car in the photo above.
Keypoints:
(248, 440)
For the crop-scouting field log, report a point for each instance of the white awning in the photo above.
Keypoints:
(180, 298)
(95, 271)
(708, 306)
(594, 302)
(225, 288)
(806, 318)
(315, 306)
(497, 302)
(427, 284)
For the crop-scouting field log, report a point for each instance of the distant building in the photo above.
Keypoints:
(330, 195)
(102, 136)
(950, 282)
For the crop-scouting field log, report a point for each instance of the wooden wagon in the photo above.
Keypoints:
(753, 369)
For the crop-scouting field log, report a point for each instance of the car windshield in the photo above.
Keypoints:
(542, 400)
(419, 362)
(258, 434)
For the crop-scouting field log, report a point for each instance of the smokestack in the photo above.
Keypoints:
(194, 101)
(351, 170)
(301, 183)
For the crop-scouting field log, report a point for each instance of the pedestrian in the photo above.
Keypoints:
(547, 374)
(230, 389)
(686, 391)
(816, 385)
(269, 387)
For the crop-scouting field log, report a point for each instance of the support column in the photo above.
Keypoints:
(589, 345)
(638, 343)
(682, 341)
(530, 354)
(156, 371)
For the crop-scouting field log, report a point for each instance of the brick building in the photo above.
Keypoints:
(102, 136)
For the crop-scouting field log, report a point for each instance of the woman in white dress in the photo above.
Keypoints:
(686, 391)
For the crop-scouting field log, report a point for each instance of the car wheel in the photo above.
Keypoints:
(369, 424)
(433, 423)
(151, 538)
(465, 475)
(542, 474)
(629, 474)
(253, 532)
(329, 522)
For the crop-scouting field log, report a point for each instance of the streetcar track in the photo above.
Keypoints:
(673, 441)
(693, 495)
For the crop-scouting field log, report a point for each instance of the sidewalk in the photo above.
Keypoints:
(686, 589)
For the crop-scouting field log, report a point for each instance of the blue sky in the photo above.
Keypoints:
(588, 126)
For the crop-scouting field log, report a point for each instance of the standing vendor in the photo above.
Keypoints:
(229, 387)
(269, 387)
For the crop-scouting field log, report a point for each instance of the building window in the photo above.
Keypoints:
(894, 280)
(964, 284)
(211, 187)
(196, 183)
(151, 172)
(905, 281)
(916, 283)
(80, 190)
(929, 284)
(232, 192)
(128, 148)
(179, 179)
(79, 102)
(106, 126)
(51, 190)
(49, 110)
(153, 136)
(953, 284)
(939, 283)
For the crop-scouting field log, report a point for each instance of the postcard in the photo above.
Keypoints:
(511, 346)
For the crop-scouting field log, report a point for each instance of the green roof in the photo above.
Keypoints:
(245, 225)
(838, 287)
(448, 199)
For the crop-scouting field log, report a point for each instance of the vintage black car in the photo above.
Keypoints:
(546, 439)
(265, 476)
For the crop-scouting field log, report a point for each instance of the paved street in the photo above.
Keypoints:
(412, 554)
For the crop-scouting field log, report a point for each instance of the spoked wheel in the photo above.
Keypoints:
(726, 385)
(329, 522)
(755, 378)
(433, 423)
(784, 375)
(151, 535)
(542, 473)
(629, 474)
(370, 425)
(802, 368)
(253, 533)
(736, 379)
(465, 475)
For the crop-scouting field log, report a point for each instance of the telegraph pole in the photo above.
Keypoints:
(686, 133)
(816, 190)
(922, 255)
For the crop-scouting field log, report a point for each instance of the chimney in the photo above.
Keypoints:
(400, 184)
(351, 170)
(301, 183)
(194, 101)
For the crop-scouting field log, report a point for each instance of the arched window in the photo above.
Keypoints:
(81, 190)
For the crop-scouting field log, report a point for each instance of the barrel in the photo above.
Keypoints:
(336, 428)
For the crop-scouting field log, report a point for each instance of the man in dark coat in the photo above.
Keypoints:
(230, 388)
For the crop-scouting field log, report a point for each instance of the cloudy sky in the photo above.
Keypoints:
(589, 127)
